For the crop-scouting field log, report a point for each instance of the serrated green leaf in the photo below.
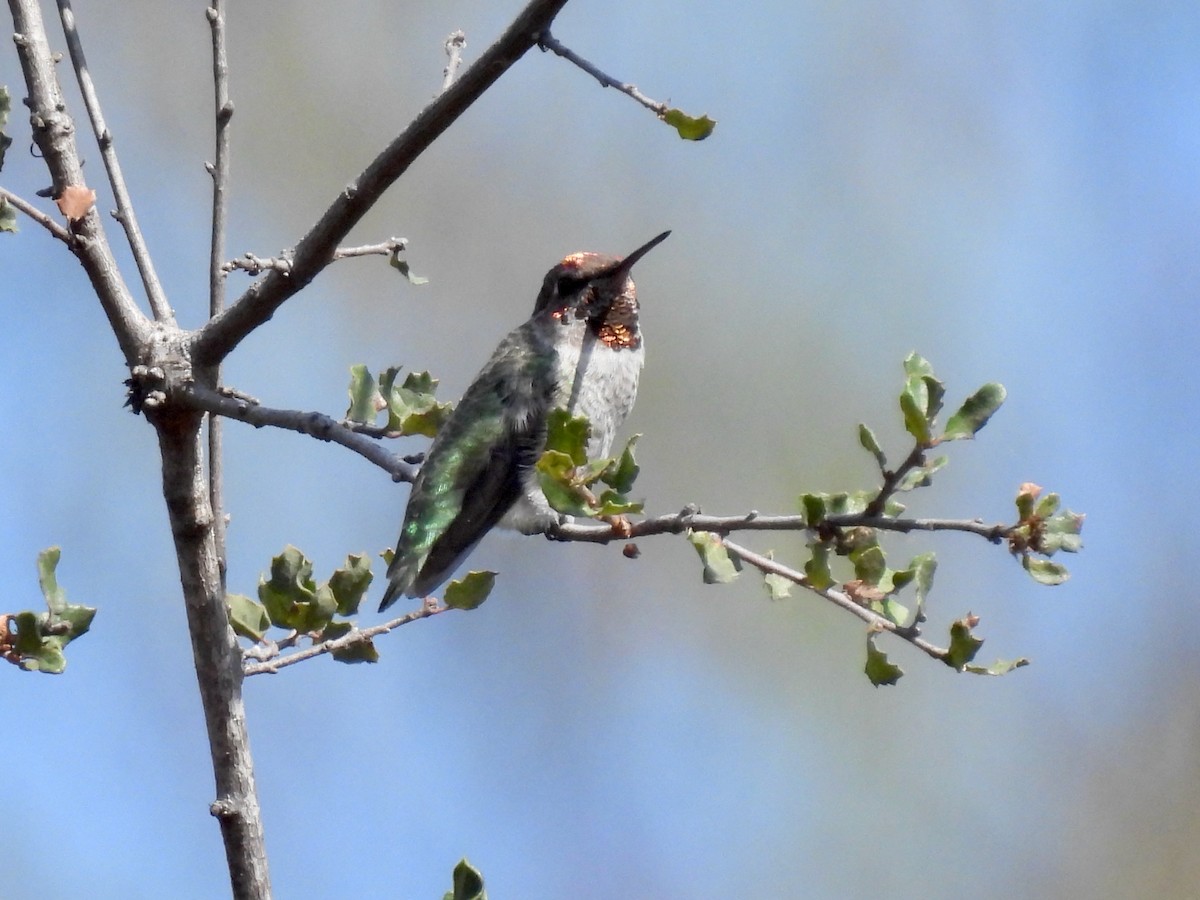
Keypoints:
(777, 586)
(923, 567)
(555, 472)
(361, 651)
(5, 140)
(401, 265)
(870, 443)
(47, 562)
(916, 364)
(870, 564)
(719, 566)
(817, 567)
(975, 412)
(468, 883)
(1044, 571)
(963, 644)
(38, 651)
(999, 667)
(1047, 506)
(8, 216)
(689, 127)
(814, 509)
(290, 596)
(248, 617)
(921, 476)
(412, 406)
(568, 434)
(470, 591)
(349, 583)
(879, 669)
(612, 503)
(621, 474)
(364, 395)
(912, 405)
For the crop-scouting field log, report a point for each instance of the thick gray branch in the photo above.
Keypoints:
(54, 134)
(218, 658)
(316, 424)
(315, 250)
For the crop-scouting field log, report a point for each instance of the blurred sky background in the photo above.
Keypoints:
(1010, 189)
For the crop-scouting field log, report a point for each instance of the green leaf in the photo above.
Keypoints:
(470, 591)
(8, 216)
(1061, 532)
(5, 140)
(468, 883)
(291, 597)
(921, 476)
(1026, 499)
(814, 509)
(612, 503)
(555, 472)
(349, 584)
(364, 396)
(870, 443)
(37, 651)
(870, 565)
(568, 434)
(412, 407)
(963, 644)
(401, 265)
(912, 405)
(719, 566)
(360, 651)
(1047, 506)
(1043, 571)
(923, 568)
(999, 667)
(248, 617)
(975, 412)
(689, 128)
(621, 475)
(879, 669)
(47, 562)
(777, 586)
(817, 566)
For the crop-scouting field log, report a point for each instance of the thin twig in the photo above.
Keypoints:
(125, 214)
(357, 636)
(256, 265)
(316, 424)
(548, 42)
(219, 337)
(219, 170)
(677, 523)
(838, 598)
(24, 206)
(54, 134)
(455, 43)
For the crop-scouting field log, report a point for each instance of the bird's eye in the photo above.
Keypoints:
(568, 285)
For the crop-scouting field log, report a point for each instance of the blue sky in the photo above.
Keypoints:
(1009, 189)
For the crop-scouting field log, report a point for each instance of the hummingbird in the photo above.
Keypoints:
(581, 350)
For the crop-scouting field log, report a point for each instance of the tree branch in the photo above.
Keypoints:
(315, 424)
(548, 42)
(54, 134)
(218, 657)
(455, 43)
(125, 214)
(37, 215)
(219, 170)
(345, 642)
(677, 523)
(256, 265)
(838, 598)
(315, 250)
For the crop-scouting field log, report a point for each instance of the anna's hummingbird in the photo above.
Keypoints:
(580, 350)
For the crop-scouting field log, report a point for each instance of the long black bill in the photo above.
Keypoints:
(628, 262)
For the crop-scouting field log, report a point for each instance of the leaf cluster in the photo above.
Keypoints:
(570, 480)
(410, 406)
(35, 640)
